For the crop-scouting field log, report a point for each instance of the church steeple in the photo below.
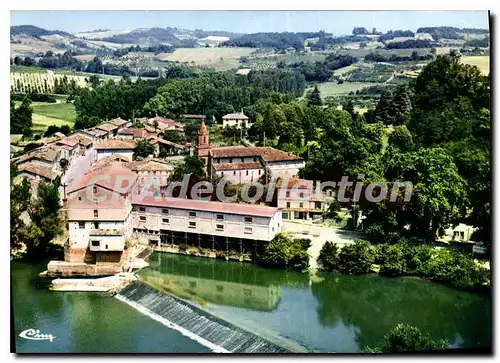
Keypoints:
(203, 147)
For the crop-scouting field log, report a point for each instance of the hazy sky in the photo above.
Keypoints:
(337, 22)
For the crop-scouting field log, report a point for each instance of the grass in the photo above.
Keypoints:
(481, 61)
(334, 89)
(58, 114)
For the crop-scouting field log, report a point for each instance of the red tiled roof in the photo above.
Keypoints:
(97, 132)
(39, 170)
(115, 144)
(266, 153)
(107, 178)
(155, 140)
(165, 122)
(107, 126)
(237, 166)
(136, 133)
(118, 121)
(198, 205)
(48, 153)
(296, 182)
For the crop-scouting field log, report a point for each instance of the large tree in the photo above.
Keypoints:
(21, 117)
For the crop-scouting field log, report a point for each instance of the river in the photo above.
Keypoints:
(324, 313)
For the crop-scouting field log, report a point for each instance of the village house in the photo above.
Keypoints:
(164, 124)
(98, 134)
(132, 133)
(110, 128)
(37, 172)
(301, 199)
(168, 147)
(121, 123)
(236, 119)
(151, 168)
(84, 133)
(46, 156)
(240, 164)
(121, 147)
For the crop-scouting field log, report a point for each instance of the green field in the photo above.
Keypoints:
(334, 89)
(46, 114)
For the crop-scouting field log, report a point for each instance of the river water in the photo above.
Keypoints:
(325, 313)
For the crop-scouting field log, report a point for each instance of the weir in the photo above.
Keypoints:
(218, 335)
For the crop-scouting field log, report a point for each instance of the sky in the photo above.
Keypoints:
(336, 22)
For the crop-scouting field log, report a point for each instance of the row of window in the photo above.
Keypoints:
(218, 227)
(219, 217)
(317, 205)
(255, 158)
(234, 172)
(81, 225)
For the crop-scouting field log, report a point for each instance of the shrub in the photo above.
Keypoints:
(356, 258)
(328, 258)
(391, 260)
(284, 252)
(407, 338)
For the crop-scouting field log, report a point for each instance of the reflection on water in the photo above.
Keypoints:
(335, 312)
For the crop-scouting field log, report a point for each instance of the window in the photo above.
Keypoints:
(242, 159)
(255, 158)
(317, 205)
(220, 217)
(142, 209)
(248, 230)
(81, 225)
(301, 195)
(192, 214)
(288, 204)
(247, 172)
(234, 172)
(165, 220)
(96, 225)
(288, 194)
(301, 205)
(79, 198)
(248, 219)
(94, 190)
(142, 218)
(221, 173)
(96, 243)
(96, 213)
(259, 171)
(164, 211)
(219, 227)
(192, 224)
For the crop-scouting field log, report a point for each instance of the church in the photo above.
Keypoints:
(241, 164)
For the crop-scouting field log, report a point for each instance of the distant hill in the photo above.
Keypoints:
(36, 32)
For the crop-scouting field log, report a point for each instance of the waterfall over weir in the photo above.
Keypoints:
(215, 334)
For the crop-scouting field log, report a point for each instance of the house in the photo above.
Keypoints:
(37, 172)
(168, 147)
(121, 147)
(236, 119)
(132, 133)
(151, 168)
(301, 199)
(228, 220)
(84, 133)
(119, 122)
(98, 134)
(110, 128)
(47, 156)
(164, 124)
(462, 232)
(241, 164)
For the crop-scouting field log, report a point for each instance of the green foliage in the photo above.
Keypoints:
(21, 117)
(328, 257)
(314, 98)
(143, 149)
(391, 261)
(406, 338)
(356, 258)
(190, 165)
(401, 139)
(394, 106)
(286, 253)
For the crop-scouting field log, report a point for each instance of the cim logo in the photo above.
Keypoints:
(34, 334)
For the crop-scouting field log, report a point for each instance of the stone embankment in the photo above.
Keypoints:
(104, 284)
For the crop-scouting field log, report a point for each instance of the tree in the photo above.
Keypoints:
(286, 253)
(314, 98)
(190, 165)
(356, 258)
(65, 129)
(407, 338)
(51, 130)
(143, 149)
(64, 164)
(21, 117)
(328, 257)
(401, 138)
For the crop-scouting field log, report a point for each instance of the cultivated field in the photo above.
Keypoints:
(40, 80)
(333, 89)
(99, 35)
(46, 114)
(482, 62)
(218, 58)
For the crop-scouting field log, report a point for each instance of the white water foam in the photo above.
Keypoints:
(213, 347)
